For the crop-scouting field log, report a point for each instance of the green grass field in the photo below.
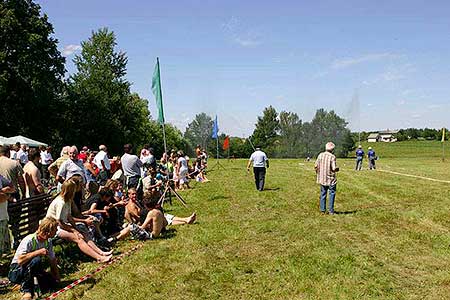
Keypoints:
(390, 240)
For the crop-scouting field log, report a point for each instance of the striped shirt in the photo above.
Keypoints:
(326, 169)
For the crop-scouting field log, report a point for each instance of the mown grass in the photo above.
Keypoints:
(390, 241)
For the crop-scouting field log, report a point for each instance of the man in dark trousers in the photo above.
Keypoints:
(260, 162)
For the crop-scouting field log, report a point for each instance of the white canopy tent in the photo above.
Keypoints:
(22, 140)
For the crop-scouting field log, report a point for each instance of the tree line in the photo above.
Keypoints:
(280, 135)
(95, 103)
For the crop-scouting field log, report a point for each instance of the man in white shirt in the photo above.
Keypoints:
(46, 160)
(22, 155)
(102, 162)
(260, 161)
(72, 166)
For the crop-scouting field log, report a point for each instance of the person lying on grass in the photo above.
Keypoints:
(28, 261)
(60, 209)
(155, 222)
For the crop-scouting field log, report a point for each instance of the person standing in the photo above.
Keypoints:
(6, 188)
(131, 166)
(260, 162)
(372, 158)
(102, 162)
(46, 160)
(22, 155)
(13, 171)
(326, 169)
(32, 175)
(359, 158)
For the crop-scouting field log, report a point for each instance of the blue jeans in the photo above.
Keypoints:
(323, 197)
(24, 275)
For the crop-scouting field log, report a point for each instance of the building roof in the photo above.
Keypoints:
(373, 135)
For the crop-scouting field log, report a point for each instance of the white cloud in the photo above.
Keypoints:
(348, 62)
(392, 74)
(70, 49)
(240, 34)
(434, 106)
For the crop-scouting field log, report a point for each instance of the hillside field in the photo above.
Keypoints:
(390, 239)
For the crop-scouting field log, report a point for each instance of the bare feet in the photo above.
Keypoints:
(104, 259)
(107, 253)
(27, 296)
(192, 218)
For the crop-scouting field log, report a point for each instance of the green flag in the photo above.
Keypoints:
(156, 89)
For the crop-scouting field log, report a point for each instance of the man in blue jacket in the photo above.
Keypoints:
(372, 158)
(359, 158)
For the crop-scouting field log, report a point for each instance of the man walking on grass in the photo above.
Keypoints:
(326, 176)
(260, 161)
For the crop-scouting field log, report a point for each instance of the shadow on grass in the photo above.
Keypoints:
(218, 197)
(349, 212)
(272, 189)
(169, 233)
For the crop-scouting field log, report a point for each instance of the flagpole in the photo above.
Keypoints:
(164, 121)
(217, 140)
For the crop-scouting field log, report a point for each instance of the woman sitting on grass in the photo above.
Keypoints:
(60, 209)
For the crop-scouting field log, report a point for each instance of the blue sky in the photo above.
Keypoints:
(379, 64)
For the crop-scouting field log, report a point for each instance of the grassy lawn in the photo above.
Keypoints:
(390, 241)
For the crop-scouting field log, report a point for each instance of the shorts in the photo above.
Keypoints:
(169, 218)
(140, 234)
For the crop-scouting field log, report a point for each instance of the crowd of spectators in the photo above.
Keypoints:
(100, 199)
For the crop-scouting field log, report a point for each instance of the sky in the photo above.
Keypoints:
(379, 64)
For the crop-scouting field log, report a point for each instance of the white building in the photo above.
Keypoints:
(387, 136)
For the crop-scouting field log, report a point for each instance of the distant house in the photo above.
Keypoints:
(387, 136)
(373, 137)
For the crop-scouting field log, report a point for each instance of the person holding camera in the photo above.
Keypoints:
(326, 169)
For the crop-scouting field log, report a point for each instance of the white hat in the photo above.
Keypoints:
(370, 148)
(329, 146)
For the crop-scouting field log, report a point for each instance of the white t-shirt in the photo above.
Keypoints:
(29, 244)
(13, 154)
(102, 156)
(4, 205)
(22, 156)
(259, 159)
(59, 210)
(46, 158)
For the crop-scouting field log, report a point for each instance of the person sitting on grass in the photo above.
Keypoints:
(132, 208)
(28, 261)
(199, 171)
(155, 222)
(60, 209)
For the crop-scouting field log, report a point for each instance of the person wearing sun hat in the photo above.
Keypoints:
(372, 158)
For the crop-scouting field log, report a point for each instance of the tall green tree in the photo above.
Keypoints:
(266, 130)
(291, 134)
(31, 71)
(101, 107)
(328, 126)
(199, 131)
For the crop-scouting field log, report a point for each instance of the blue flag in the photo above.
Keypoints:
(215, 129)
